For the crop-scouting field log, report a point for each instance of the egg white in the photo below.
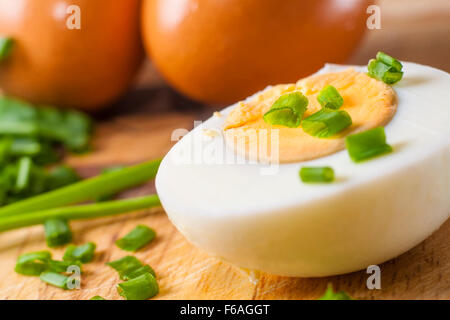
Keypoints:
(263, 217)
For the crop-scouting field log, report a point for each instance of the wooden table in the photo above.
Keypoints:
(139, 127)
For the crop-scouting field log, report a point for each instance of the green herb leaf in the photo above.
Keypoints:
(141, 288)
(368, 144)
(317, 174)
(6, 45)
(330, 98)
(57, 232)
(97, 298)
(84, 253)
(54, 279)
(288, 110)
(331, 295)
(326, 123)
(136, 239)
(33, 264)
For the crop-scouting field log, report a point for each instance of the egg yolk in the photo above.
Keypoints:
(369, 102)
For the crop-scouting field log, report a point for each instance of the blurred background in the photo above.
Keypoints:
(412, 30)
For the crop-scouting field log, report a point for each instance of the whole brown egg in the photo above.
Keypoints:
(78, 53)
(223, 51)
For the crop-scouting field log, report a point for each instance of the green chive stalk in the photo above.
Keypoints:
(85, 190)
(89, 211)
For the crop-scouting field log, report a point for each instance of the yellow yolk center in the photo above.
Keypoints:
(369, 102)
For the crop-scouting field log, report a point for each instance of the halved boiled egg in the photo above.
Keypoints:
(257, 214)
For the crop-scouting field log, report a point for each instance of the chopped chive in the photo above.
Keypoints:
(125, 266)
(317, 174)
(141, 288)
(33, 264)
(136, 239)
(331, 295)
(381, 71)
(138, 272)
(54, 279)
(61, 266)
(57, 232)
(6, 45)
(390, 61)
(330, 98)
(367, 144)
(84, 253)
(385, 68)
(24, 173)
(326, 123)
(288, 110)
(97, 298)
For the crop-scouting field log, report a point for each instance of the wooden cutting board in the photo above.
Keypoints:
(139, 129)
(184, 271)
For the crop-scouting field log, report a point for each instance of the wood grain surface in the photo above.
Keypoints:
(139, 127)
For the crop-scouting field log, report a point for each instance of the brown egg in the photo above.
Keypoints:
(223, 51)
(82, 68)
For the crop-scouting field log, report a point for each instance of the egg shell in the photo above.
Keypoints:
(262, 217)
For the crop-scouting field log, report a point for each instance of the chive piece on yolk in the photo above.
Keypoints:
(326, 123)
(288, 110)
(330, 98)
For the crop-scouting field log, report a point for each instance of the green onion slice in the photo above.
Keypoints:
(330, 98)
(138, 272)
(84, 253)
(326, 123)
(57, 232)
(390, 61)
(125, 265)
(288, 110)
(33, 264)
(61, 266)
(141, 288)
(55, 279)
(317, 174)
(136, 239)
(129, 267)
(6, 45)
(368, 144)
(331, 295)
(385, 68)
(97, 298)
(381, 71)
